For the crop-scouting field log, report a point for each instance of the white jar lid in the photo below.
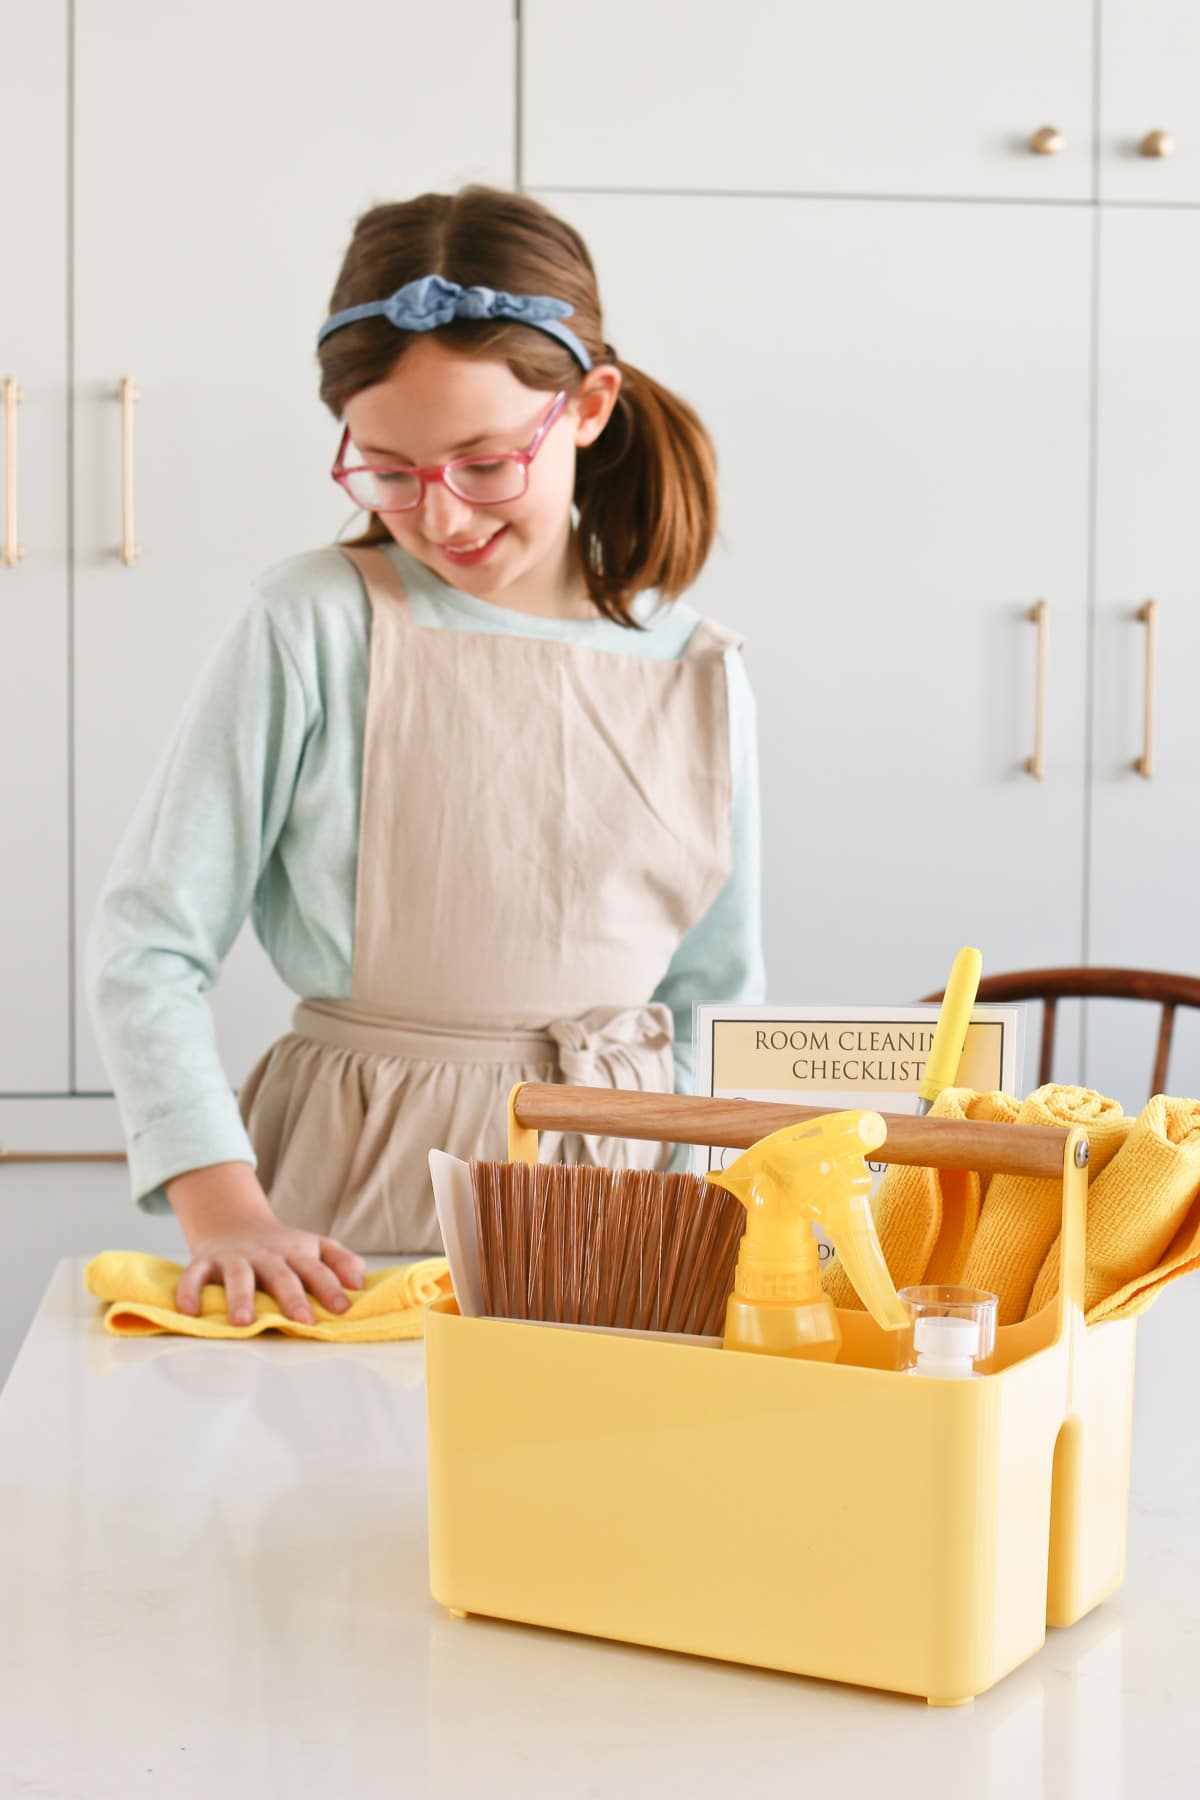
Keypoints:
(946, 1340)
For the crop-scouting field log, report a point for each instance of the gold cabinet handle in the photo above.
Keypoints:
(1049, 141)
(12, 547)
(1148, 616)
(127, 394)
(1157, 143)
(1039, 615)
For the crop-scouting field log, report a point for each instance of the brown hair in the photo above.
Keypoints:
(646, 489)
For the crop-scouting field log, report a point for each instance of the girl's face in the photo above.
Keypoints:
(437, 405)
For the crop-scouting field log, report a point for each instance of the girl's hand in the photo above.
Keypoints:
(237, 1241)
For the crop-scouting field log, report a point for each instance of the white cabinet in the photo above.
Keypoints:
(1144, 881)
(867, 97)
(900, 402)
(1149, 87)
(220, 162)
(902, 397)
(35, 666)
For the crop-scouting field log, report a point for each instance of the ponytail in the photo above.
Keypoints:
(647, 497)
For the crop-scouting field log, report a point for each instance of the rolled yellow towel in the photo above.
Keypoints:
(1137, 1206)
(1020, 1217)
(926, 1218)
(139, 1291)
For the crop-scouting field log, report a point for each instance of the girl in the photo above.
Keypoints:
(485, 784)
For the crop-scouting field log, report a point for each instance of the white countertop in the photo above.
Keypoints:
(213, 1582)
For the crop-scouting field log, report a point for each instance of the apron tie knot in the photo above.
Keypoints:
(619, 1047)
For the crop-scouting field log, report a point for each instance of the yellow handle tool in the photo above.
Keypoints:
(953, 1020)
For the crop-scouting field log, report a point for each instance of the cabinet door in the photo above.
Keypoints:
(35, 935)
(899, 399)
(1149, 81)
(1145, 841)
(865, 97)
(221, 160)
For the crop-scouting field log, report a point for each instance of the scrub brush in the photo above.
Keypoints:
(629, 1249)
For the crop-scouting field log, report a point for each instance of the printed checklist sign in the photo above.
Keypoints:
(850, 1056)
(843, 1055)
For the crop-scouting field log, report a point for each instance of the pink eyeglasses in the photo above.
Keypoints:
(490, 481)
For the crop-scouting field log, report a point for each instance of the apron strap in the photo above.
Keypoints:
(711, 639)
(383, 585)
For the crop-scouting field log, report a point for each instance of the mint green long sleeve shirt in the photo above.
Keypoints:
(252, 810)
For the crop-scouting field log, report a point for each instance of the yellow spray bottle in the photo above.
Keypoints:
(811, 1171)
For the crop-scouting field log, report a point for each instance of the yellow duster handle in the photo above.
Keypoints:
(953, 1021)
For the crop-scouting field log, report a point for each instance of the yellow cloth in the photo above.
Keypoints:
(1139, 1207)
(1020, 1218)
(1182, 1258)
(926, 1218)
(140, 1293)
(1143, 1220)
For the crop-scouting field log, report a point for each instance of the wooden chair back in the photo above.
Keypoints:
(1052, 985)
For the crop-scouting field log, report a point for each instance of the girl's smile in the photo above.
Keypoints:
(469, 553)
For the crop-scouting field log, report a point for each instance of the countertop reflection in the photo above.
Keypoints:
(213, 1580)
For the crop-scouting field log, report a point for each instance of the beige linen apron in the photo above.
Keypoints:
(540, 824)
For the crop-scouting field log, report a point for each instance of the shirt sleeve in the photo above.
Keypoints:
(721, 958)
(177, 893)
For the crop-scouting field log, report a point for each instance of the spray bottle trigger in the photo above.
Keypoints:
(851, 1230)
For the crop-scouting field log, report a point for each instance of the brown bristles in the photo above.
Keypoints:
(623, 1248)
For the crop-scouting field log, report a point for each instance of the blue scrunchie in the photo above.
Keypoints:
(424, 305)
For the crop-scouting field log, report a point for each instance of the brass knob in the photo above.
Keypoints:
(1157, 143)
(1048, 141)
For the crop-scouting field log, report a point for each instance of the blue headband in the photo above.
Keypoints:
(423, 305)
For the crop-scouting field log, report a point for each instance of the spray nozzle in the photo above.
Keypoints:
(815, 1171)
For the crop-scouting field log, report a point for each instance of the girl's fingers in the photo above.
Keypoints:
(348, 1268)
(238, 1277)
(321, 1282)
(278, 1279)
(187, 1288)
(326, 1276)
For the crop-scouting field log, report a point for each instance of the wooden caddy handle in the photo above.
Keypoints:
(925, 1143)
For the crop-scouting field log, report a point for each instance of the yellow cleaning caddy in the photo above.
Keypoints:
(910, 1535)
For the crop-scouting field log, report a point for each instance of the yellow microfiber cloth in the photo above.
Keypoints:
(1139, 1208)
(1182, 1258)
(1020, 1217)
(926, 1218)
(140, 1293)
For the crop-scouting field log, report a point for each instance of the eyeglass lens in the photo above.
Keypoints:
(486, 483)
